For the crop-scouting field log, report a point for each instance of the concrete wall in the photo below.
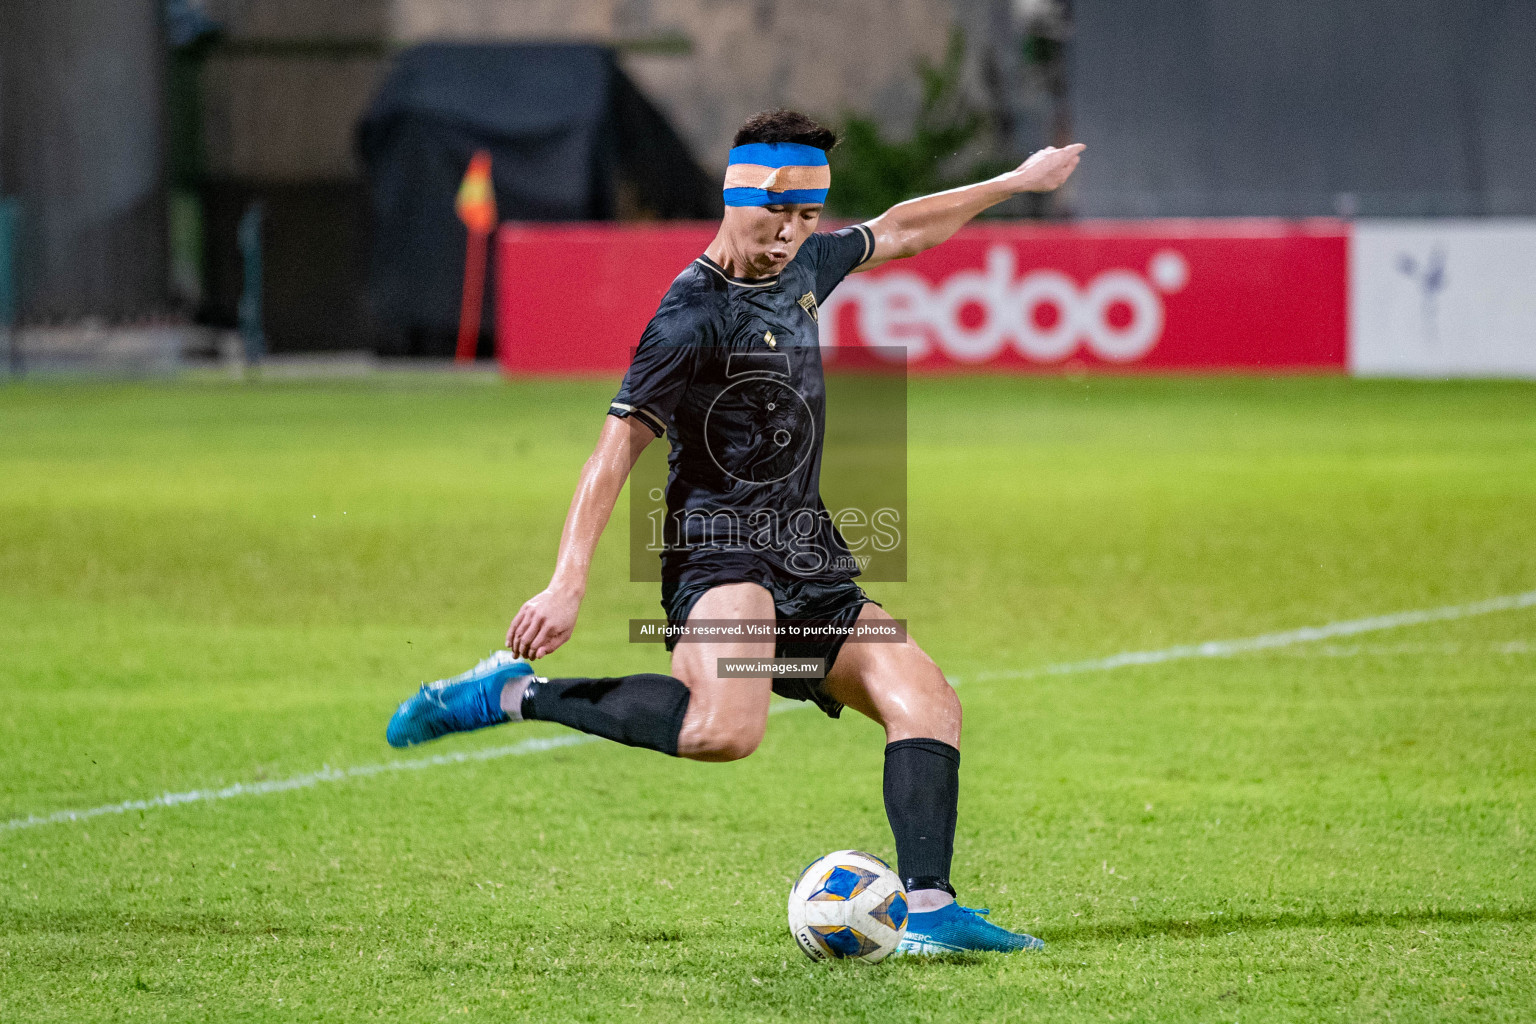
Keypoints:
(743, 55)
(284, 117)
(303, 19)
(1306, 107)
(282, 94)
(285, 87)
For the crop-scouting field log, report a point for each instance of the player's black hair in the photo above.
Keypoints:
(785, 126)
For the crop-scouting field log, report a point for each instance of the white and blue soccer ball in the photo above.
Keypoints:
(848, 906)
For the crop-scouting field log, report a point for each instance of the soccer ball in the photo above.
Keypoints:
(848, 906)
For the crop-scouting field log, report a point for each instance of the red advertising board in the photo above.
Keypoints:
(1159, 295)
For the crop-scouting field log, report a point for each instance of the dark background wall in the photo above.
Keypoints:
(82, 85)
(1305, 107)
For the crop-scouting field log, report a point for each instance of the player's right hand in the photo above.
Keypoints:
(543, 623)
(1048, 169)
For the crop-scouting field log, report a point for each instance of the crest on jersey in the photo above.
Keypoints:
(808, 303)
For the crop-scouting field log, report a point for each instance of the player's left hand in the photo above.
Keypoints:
(1046, 170)
(543, 623)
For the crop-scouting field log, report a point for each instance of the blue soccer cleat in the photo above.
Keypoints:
(956, 929)
(468, 701)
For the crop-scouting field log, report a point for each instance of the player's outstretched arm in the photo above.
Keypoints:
(908, 228)
(545, 621)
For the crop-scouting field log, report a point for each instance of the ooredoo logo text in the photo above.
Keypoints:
(973, 315)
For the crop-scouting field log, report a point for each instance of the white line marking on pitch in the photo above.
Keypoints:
(1209, 649)
(1341, 651)
(1270, 641)
(533, 746)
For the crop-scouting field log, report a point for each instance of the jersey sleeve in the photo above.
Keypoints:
(837, 254)
(659, 372)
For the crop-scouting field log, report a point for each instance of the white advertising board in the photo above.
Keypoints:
(1443, 298)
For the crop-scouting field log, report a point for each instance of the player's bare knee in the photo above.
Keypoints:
(736, 746)
(720, 742)
(951, 699)
(946, 708)
(931, 710)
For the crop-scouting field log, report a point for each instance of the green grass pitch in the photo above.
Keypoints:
(205, 584)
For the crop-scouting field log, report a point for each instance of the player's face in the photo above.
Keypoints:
(767, 237)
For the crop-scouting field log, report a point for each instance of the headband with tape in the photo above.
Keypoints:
(770, 173)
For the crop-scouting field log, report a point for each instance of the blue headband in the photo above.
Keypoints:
(758, 170)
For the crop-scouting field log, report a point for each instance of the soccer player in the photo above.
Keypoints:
(717, 371)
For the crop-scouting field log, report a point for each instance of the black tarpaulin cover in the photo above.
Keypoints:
(570, 138)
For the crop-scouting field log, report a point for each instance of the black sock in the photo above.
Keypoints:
(642, 710)
(922, 798)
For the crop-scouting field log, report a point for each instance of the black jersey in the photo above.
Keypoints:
(730, 370)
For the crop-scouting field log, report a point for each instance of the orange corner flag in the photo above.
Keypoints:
(476, 204)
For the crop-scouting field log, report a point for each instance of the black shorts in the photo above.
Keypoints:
(836, 601)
